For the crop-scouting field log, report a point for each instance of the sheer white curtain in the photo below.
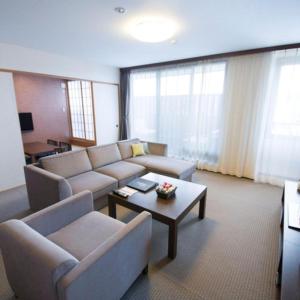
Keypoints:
(181, 106)
(239, 116)
(279, 148)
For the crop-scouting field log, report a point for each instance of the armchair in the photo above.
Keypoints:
(68, 251)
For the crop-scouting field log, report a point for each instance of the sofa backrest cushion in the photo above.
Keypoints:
(67, 164)
(104, 155)
(125, 147)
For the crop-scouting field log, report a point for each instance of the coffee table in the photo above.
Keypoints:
(167, 211)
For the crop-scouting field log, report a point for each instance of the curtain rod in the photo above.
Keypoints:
(214, 56)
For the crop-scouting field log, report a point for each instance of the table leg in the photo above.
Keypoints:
(172, 249)
(202, 207)
(112, 208)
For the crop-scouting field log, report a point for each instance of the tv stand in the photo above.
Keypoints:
(289, 262)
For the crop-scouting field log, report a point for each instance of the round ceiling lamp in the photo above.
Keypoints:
(153, 29)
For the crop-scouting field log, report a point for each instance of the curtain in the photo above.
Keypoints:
(181, 106)
(124, 103)
(239, 116)
(245, 89)
(279, 147)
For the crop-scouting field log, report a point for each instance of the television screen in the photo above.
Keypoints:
(26, 121)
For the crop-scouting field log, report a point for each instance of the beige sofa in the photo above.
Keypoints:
(14, 203)
(99, 169)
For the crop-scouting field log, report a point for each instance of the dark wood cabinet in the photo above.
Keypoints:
(289, 263)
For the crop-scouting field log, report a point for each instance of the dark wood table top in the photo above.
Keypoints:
(37, 148)
(63, 139)
(173, 209)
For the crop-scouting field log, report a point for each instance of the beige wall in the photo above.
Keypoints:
(46, 99)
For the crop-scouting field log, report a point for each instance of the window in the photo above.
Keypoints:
(180, 106)
(81, 112)
(279, 151)
(286, 117)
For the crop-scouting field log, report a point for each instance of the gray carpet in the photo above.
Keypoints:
(232, 254)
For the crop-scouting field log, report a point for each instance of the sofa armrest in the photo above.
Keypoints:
(157, 148)
(56, 216)
(14, 203)
(45, 188)
(111, 268)
(33, 263)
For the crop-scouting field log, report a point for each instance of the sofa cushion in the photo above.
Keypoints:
(103, 155)
(123, 171)
(97, 183)
(67, 164)
(165, 165)
(125, 147)
(85, 234)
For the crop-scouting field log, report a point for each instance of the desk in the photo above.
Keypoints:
(38, 149)
(63, 139)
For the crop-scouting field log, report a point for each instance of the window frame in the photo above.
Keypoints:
(82, 142)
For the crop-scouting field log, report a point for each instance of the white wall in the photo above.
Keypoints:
(11, 149)
(106, 104)
(30, 60)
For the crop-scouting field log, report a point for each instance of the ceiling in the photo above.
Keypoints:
(92, 30)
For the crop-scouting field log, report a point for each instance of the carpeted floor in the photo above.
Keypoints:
(231, 254)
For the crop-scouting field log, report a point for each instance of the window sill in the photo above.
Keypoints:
(82, 142)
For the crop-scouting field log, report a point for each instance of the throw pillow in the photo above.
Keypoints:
(146, 148)
(137, 149)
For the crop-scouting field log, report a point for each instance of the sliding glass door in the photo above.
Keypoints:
(181, 106)
(280, 140)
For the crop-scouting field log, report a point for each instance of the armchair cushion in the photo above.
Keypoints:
(123, 171)
(113, 266)
(104, 155)
(85, 234)
(67, 164)
(97, 183)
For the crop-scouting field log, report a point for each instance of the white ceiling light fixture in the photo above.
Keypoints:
(153, 29)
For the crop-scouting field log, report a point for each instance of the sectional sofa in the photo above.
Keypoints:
(99, 169)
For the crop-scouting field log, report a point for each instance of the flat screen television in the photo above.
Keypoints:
(26, 122)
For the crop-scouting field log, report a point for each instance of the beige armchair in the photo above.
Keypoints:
(68, 251)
